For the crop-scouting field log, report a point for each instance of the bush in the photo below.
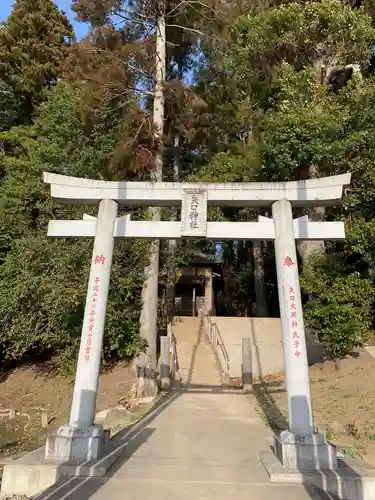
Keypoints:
(43, 281)
(43, 292)
(340, 307)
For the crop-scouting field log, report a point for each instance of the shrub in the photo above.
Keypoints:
(340, 307)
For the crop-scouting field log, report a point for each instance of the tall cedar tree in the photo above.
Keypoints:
(147, 54)
(33, 45)
(101, 67)
(142, 54)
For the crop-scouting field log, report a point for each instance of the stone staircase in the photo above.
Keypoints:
(198, 364)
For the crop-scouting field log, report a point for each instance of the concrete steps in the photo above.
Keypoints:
(196, 357)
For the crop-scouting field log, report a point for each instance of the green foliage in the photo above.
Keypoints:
(267, 104)
(9, 106)
(281, 106)
(316, 34)
(340, 308)
(44, 284)
(229, 167)
(44, 281)
(33, 45)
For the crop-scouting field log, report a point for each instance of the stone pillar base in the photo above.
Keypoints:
(305, 452)
(165, 381)
(164, 363)
(77, 444)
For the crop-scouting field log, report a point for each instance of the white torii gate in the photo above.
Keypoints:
(81, 439)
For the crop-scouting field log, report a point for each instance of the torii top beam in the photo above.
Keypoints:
(312, 192)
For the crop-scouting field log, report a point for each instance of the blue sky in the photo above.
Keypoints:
(79, 28)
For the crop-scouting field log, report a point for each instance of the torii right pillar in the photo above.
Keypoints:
(300, 446)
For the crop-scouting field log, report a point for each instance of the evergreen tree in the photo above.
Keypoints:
(155, 50)
(33, 45)
(296, 100)
(44, 280)
(281, 91)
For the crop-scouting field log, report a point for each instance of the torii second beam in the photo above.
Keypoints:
(262, 230)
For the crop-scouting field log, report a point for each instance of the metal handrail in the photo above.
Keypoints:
(217, 340)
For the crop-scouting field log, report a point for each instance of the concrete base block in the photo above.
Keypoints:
(301, 452)
(32, 473)
(165, 382)
(177, 381)
(77, 444)
(225, 380)
(352, 480)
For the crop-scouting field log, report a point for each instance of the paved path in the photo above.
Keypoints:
(201, 445)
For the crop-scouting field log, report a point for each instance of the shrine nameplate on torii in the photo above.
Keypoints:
(194, 200)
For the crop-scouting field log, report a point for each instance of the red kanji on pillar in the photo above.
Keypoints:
(288, 262)
(99, 259)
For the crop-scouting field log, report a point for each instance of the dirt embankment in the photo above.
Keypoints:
(37, 394)
(343, 403)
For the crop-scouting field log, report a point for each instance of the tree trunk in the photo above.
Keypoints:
(146, 363)
(324, 73)
(259, 283)
(307, 247)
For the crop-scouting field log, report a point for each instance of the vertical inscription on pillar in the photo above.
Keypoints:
(292, 311)
(99, 260)
(194, 213)
(294, 322)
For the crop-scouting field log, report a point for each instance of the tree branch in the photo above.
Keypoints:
(128, 19)
(191, 2)
(134, 12)
(193, 30)
(133, 68)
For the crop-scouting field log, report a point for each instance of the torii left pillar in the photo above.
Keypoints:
(81, 439)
